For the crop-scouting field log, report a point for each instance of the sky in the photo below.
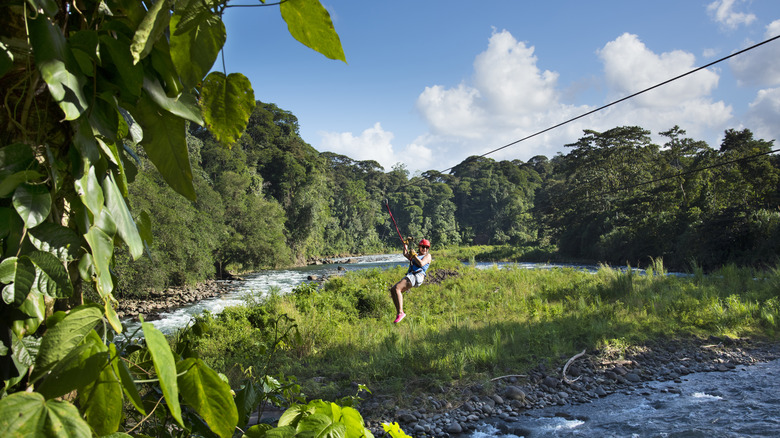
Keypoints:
(428, 83)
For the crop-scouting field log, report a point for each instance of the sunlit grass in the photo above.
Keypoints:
(495, 321)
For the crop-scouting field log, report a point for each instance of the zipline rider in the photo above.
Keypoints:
(418, 266)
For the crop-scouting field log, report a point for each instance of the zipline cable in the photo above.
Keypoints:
(394, 223)
(411, 182)
(623, 99)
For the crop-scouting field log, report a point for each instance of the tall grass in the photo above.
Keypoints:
(489, 322)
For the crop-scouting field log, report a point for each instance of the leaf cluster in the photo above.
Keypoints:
(86, 88)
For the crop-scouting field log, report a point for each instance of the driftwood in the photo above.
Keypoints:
(565, 367)
(506, 377)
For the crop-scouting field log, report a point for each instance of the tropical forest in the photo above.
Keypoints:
(130, 169)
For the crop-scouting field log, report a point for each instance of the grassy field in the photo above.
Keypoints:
(476, 324)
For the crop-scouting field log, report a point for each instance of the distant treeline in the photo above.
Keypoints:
(272, 200)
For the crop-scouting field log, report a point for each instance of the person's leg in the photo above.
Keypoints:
(394, 295)
(397, 294)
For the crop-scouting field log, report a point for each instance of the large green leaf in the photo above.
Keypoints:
(293, 415)
(165, 366)
(11, 182)
(33, 203)
(309, 22)
(125, 224)
(202, 389)
(51, 276)
(76, 370)
(111, 315)
(124, 73)
(151, 28)
(19, 276)
(128, 385)
(84, 46)
(101, 402)
(58, 67)
(353, 421)
(281, 432)
(184, 106)
(165, 143)
(247, 399)
(90, 192)
(28, 414)
(321, 425)
(21, 357)
(194, 51)
(102, 246)
(61, 241)
(34, 306)
(85, 143)
(104, 118)
(261, 430)
(14, 158)
(65, 336)
(227, 103)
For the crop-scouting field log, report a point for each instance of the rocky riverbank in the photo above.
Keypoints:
(159, 301)
(590, 376)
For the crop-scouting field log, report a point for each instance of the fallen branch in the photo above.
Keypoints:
(573, 358)
(506, 377)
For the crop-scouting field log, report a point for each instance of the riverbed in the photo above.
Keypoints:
(744, 402)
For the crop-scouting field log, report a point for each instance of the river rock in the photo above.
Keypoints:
(514, 393)
(454, 427)
(550, 382)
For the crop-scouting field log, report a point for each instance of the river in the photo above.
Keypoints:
(740, 403)
(744, 402)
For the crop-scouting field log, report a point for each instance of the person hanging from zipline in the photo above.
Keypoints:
(418, 266)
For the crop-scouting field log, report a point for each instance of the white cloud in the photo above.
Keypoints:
(372, 144)
(760, 66)
(455, 112)
(710, 53)
(764, 113)
(507, 77)
(722, 11)
(629, 67)
(509, 97)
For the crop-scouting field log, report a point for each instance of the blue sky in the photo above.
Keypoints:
(429, 83)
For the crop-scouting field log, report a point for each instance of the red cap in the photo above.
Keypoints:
(425, 242)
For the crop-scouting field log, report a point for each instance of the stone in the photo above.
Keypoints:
(454, 427)
(514, 393)
(633, 377)
(407, 417)
(550, 382)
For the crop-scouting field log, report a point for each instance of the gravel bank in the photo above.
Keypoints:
(593, 375)
(161, 301)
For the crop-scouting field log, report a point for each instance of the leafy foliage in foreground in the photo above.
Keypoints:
(85, 87)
